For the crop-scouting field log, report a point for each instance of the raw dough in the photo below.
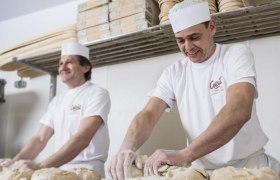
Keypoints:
(231, 173)
(135, 172)
(16, 174)
(86, 174)
(177, 173)
(186, 173)
(54, 174)
(138, 166)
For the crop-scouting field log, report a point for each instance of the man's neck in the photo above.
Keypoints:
(76, 84)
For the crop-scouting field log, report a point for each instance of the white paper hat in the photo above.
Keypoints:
(188, 13)
(74, 48)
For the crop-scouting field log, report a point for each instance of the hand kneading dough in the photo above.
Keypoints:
(16, 174)
(54, 174)
(86, 174)
(231, 173)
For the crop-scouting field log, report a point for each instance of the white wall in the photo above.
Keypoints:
(128, 84)
(266, 52)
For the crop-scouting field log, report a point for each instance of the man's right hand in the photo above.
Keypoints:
(6, 162)
(120, 165)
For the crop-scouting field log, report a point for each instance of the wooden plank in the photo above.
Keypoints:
(242, 36)
(132, 45)
(139, 51)
(225, 41)
(249, 23)
(244, 30)
(136, 56)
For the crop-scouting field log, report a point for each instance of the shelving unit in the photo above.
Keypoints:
(239, 25)
(2, 89)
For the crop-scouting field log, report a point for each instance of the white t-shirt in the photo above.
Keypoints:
(199, 89)
(65, 114)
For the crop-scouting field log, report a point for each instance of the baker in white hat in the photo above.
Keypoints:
(76, 119)
(215, 90)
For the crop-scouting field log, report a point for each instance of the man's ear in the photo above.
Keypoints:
(212, 26)
(86, 68)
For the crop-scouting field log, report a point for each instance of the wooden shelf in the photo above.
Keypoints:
(239, 25)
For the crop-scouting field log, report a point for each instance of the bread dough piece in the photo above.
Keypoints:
(16, 174)
(135, 172)
(186, 173)
(150, 178)
(177, 173)
(231, 173)
(86, 174)
(54, 174)
(137, 169)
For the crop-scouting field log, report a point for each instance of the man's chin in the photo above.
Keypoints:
(64, 80)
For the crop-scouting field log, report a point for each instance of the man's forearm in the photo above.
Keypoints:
(30, 151)
(138, 132)
(66, 153)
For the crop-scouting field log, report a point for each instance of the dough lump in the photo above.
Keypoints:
(54, 174)
(16, 174)
(86, 174)
(231, 173)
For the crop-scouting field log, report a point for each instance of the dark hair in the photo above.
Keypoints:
(85, 62)
(206, 23)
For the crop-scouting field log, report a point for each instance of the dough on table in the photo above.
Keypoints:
(16, 174)
(135, 172)
(150, 178)
(186, 173)
(177, 173)
(86, 174)
(54, 174)
(139, 163)
(231, 173)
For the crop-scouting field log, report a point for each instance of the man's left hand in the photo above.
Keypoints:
(163, 157)
(25, 164)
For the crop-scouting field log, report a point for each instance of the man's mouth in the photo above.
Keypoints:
(192, 54)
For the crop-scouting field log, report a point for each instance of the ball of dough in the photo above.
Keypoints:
(16, 174)
(86, 174)
(231, 173)
(135, 172)
(53, 174)
(187, 173)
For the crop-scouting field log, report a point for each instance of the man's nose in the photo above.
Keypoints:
(188, 45)
(62, 66)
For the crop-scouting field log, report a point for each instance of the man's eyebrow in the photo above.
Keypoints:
(188, 36)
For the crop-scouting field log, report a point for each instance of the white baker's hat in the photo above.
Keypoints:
(188, 13)
(74, 48)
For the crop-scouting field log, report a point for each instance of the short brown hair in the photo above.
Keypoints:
(85, 62)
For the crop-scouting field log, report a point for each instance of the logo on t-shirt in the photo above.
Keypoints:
(216, 86)
(75, 108)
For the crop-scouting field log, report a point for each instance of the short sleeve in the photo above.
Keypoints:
(241, 66)
(47, 118)
(98, 104)
(164, 89)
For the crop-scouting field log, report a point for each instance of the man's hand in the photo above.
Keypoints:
(120, 165)
(25, 164)
(6, 162)
(163, 157)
